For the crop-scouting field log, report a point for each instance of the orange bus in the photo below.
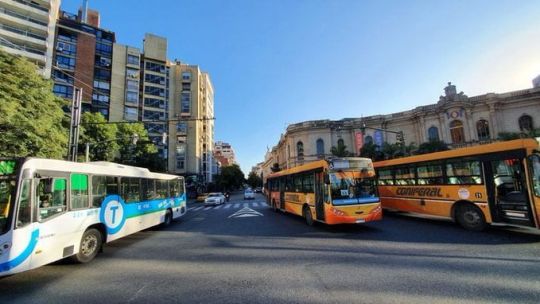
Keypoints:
(497, 183)
(333, 191)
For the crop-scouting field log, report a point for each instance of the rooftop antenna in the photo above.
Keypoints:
(85, 11)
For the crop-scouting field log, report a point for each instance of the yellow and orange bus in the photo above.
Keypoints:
(333, 191)
(474, 186)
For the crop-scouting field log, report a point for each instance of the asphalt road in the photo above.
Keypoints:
(259, 256)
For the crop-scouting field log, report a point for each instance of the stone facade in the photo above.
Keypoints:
(456, 119)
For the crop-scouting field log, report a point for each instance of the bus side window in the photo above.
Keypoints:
(112, 185)
(51, 203)
(79, 191)
(99, 190)
(24, 216)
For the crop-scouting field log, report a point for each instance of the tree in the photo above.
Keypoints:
(129, 151)
(100, 135)
(432, 146)
(340, 150)
(254, 180)
(32, 122)
(231, 177)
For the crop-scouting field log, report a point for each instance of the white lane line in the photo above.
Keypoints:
(255, 204)
(246, 205)
(227, 206)
(207, 208)
(236, 205)
(218, 207)
(197, 208)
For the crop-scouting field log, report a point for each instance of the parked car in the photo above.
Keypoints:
(258, 190)
(249, 194)
(215, 198)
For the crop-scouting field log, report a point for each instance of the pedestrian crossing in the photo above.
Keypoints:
(230, 206)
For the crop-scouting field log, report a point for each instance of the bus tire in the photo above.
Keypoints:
(307, 215)
(168, 218)
(89, 246)
(470, 217)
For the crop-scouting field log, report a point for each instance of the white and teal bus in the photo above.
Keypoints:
(54, 209)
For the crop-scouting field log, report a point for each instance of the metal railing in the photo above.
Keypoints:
(22, 17)
(22, 32)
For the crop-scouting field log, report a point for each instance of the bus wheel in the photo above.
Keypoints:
(470, 217)
(307, 216)
(89, 247)
(168, 218)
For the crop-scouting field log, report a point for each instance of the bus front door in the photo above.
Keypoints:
(319, 196)
(507, 192)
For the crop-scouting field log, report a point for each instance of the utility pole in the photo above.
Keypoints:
(75, 123)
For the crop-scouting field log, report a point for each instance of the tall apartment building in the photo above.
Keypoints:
(83, 58)
(224, 153)
(125, 83)
(27, 28)
(191, 130)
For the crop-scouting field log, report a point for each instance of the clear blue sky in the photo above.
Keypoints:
(277, 62)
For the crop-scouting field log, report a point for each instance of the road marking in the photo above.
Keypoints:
(246, 205)
(236, 205)
(197, 208)
(207, 208)
(218, 207)
(227, 206)
(255, 204)
(245, 212)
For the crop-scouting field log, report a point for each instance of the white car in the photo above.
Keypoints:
(249, 194)
(215, 198)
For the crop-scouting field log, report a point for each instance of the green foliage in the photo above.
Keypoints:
(340, 150)
(432, 146)
(231, 177)
(254, 180)
(128, 151)
(100, 135)
(387, 151)
(32, 122)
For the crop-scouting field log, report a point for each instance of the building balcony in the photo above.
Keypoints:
(28, 52)
(23, 37)
(32, 8)
(16, 19)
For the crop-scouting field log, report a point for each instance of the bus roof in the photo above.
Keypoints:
(462, 152)
(99, 168)
(323, 163)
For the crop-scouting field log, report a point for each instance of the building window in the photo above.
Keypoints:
(132, 59)
(320, 148)
(153, 115)
(185, 103)
(100, 100)
(132, 85)
(156, 103)
(132, 98)
(155, 67)
(63, 91)
(482, 128)
(525, 123)
(154, 79)
(340, 142)
(61, 76)
(65, 62)
(186, 75)
(186, 86)
(368, 140)
(102, 85)
(154, 91)
(130, 113)
(433, 134)
(132, 73)
(457, 132)
(300, 150)
(181, 127)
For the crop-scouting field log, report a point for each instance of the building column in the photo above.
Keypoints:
(445, 136)
(473, 136)
(493, 125)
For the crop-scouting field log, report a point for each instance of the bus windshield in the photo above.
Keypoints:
(7, 197)
(350, 187)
